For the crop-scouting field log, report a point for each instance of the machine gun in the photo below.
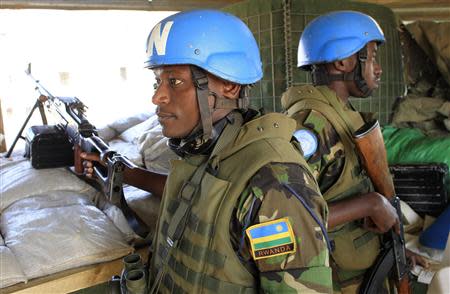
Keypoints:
(83, 136)
(392, 258)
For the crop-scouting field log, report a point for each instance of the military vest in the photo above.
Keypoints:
(355, 247)
(203, 260)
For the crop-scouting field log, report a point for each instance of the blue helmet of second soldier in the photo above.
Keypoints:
(336, 36)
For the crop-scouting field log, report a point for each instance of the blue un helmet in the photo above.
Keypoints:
(218, 42)
(210, 41)
(336, 36)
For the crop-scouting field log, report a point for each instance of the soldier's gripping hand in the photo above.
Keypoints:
(376, 211)
(382, 216)
(88, 163)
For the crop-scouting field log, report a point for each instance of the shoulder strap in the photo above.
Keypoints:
(327, 110)
(188, 191)
(338, 107)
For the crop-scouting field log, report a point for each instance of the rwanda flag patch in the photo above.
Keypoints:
(271, 238)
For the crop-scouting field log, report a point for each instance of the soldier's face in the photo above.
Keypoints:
(372, 70)
(176, 101)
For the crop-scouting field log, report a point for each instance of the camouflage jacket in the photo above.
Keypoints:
(328, 161)
(266, 199)
(327, 158)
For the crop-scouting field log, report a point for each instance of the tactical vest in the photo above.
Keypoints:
(204, 261)
(355, 247)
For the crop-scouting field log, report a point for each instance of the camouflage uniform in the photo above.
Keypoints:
(259, 179)
(266, 199)
(327, 164)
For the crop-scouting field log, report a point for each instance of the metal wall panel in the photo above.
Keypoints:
(152, 5)
(277, 26)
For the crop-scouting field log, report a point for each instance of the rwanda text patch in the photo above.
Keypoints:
(271, 238)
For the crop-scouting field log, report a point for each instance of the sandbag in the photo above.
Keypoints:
(19, 180)
(145, 145)
(117, 127)
(157, 154)
(59, 230)
(11, 272)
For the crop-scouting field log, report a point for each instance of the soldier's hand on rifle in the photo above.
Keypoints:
(416, 259)
(383, 215)
(88, 163)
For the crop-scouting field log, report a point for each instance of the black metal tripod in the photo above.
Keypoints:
(40, 105)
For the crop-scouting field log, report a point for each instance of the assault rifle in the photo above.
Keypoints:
(84, 137)
(392, 259)
(113, 169)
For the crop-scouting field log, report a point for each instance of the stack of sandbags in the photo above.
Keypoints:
(59, 230)
(49, 223)
(140, 139)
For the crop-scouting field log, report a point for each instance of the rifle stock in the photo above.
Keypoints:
(370, 145)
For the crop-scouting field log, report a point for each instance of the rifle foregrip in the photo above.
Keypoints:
(370, 145)
(403, 286)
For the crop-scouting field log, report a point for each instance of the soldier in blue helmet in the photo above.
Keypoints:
(339, 49)
(241, 212)
(230, 219)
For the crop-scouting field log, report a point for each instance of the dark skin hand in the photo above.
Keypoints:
(416, 259)
(379, 215)
(138, 177)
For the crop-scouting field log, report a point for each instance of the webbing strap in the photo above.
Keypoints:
(189, 189)
(195, 225)
(326, 109)
(323, 78)
(172, 286)
(208, 282)
(212, 257)
(187, 193)
(201, 87)
(225, 103)
(337, 106)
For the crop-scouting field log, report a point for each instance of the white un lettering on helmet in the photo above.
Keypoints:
(158, 39)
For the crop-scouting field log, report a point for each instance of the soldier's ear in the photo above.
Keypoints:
(345, 65)
(231, 90)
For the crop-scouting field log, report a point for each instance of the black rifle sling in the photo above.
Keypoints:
(135, 222)
(375, 276)
(116, 166)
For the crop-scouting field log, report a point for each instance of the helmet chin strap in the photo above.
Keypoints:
(205, 134)
(200, 79)
(320, 75)
(360, 68)
(202, 90)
